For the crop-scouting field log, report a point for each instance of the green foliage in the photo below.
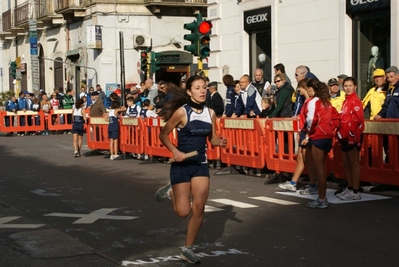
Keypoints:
(4, 96)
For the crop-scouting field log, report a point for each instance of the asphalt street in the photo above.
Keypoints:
(57, 210)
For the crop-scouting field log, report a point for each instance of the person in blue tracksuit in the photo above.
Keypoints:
(250, 100)
(11, 106)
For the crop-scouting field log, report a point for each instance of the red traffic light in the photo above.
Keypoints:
(205, 27)
(143, 54)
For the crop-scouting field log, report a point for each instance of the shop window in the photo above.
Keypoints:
(261, 56)
(371, 43)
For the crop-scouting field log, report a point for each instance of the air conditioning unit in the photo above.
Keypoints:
(141, 41)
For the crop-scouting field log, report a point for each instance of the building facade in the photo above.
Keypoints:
(78, 41)
(331, 37)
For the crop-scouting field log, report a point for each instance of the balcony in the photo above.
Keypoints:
(177, 7)
(7, 21)
(45, 13)
(70, 9)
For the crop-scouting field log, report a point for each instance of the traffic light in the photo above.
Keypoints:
(192, 37)
(144, 61)
(154, 62)
(13, 69)
(199, 37)
(204, 29)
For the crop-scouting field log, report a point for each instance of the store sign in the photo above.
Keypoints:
(94, 37)
(257, 19)
(353, 6)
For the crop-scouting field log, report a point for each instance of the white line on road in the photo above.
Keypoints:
(233, 203)
(42, 193)
(275, 200)
(211, 209)
(9, 219)
(92, 217)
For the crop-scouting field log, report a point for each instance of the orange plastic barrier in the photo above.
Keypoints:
(152, 144)
(132, 133)
(97, 134)
(213, 152)
(245, 142)
(60, 120)
(22, 121)
(373, 167)
(279, 144)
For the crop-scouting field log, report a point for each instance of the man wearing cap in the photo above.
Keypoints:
(375, 97)
(97, 108)
(341, 79)
(337, 96)
(215, 100)
(390, 108)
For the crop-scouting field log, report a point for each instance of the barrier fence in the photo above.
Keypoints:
(252, 143)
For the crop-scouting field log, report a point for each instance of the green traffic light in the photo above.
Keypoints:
(155, 62)
(13, 69)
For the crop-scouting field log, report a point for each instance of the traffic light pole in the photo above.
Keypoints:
(199, 62)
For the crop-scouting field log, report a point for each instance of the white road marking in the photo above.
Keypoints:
(92, 217)
(211, 209)
(42, 193)
(233, 203)
(275, 200)
(332, 199)
(12, 218)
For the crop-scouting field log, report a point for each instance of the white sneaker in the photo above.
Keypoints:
(287, 186)
(112, 157)
(309, 190)
(350, 195)
(344, 191)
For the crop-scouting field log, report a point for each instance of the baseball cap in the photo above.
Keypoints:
(134, 92)
(26, 93)
(378, 72)
(332, 82)
(94, 93)
(342, 76)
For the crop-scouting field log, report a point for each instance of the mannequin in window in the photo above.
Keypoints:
(265, 65)
(375, 62)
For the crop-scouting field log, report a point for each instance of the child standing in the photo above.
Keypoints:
(113, 128)
(267, 107)
(147, 110)
(133, 110)
(78, 121)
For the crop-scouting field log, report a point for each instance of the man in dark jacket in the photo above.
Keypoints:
(215, 100)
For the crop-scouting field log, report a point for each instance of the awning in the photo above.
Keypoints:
(73, 53)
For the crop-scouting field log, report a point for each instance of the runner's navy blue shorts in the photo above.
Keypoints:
(78, 128)
(113, 135)
(324, 144)
(346, 147)
(182, 172)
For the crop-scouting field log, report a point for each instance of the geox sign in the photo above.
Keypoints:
(353, 6)
(257, 19)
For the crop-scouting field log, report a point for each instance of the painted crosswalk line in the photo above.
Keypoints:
(332, 199)
(212, 209)
(233, 203)
(92, 217)
(5, 220)
(275, 200)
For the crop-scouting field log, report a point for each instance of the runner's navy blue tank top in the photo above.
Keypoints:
(192, 137)
(113, 121)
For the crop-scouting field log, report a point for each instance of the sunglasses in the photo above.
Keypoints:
(297, 74)
(277, 81)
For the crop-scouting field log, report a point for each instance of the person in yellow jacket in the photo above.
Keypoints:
(337, 96)
(375, 97)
